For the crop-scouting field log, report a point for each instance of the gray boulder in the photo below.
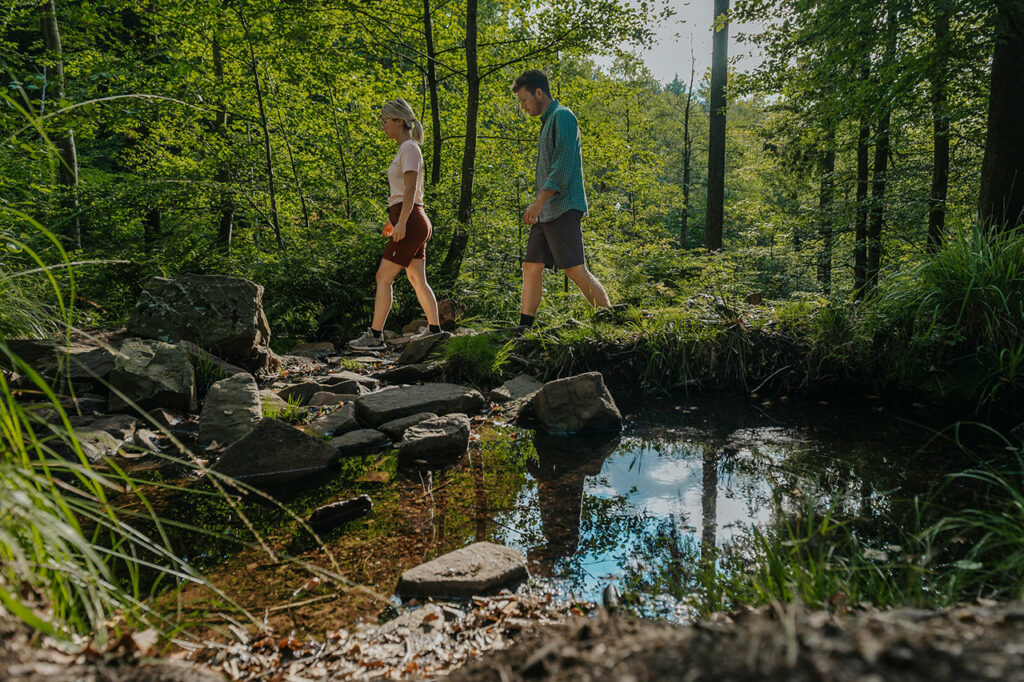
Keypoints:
(393, 403)
(152, 374)
(232, 409)
(420, 348)
(578, 404)
(221, 314)
(274, 453)
(474, 570)
(396, 428)
(444, 437)
(336, 423)
(272, 401)
(300, 392)
(359, 442)
(513, 389)
(330, 516)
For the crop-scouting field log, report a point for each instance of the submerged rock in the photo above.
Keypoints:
(579, 404)
(330, 516)
(275, 453)
(393, 403)
(474, 570)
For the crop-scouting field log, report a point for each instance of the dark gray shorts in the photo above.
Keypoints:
(557, 243)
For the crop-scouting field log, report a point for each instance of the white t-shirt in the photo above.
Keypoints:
(408, 158)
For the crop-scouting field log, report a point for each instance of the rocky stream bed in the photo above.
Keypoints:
(471, 611)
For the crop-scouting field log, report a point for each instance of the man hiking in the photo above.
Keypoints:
(556, 239)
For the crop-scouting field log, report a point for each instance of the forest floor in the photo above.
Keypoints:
(982, 641)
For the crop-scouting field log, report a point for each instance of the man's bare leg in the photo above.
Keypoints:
(533, 287)
(588, 284)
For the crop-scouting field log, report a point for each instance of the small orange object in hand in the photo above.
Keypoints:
(388, 230)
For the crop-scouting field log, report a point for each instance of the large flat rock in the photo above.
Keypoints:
(477, 569)
(274, 453)
(437, 437)
(394, 403)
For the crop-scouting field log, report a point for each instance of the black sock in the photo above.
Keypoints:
(526, 320)
(434, 328)
(376, 334)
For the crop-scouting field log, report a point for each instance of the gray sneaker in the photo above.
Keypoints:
(367, 342)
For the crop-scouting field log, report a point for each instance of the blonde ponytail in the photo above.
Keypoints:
(417, 131)
(399, 108)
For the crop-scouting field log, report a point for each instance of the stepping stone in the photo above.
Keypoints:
(232, 409)
(474, 570)
(358, 443)
(394, 403)
(420, 348)
(578, 404)
(410, 374)
(513, 389)
(394, 429)
(443, 437)
(336, 423)
(152, 374)
(303, 392)
(326, 398)
(349, 382)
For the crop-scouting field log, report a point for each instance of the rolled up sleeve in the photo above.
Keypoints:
(564, 152)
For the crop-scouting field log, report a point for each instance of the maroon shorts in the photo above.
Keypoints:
(417, 233)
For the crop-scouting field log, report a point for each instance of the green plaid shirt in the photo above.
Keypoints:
(560, 162)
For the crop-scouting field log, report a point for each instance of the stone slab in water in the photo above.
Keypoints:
(480, 568)
(396, 428)
(274, 453)
(336, 423)
(513, 389)
(445, 437)
(394, 403)
(359, 442)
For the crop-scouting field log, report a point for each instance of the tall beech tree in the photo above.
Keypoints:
(716, 131)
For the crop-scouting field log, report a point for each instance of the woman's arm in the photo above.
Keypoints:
(408, 200)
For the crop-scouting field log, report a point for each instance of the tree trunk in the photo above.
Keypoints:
(860, 230)
(226, 208)
(825, 227)
(940, 131)
(294, 166)
(341, 153)
(435, 106)
(274, 218)
(687, 155)
(876, 212)
(460, 238)
(1001, 200)
(716, 132)
(67, 175)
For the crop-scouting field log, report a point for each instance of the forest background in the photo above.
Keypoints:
(243, 138)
